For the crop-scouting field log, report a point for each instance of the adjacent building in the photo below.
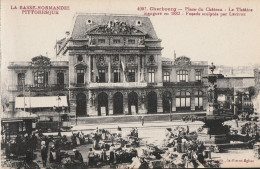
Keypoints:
(114, 67)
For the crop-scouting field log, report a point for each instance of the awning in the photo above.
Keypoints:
(38, 102)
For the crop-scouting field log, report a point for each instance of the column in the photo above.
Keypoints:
(143, 70)
(192, 104)
(29, 77)
(159, 70)
(173, 75)
(94, 68)
(173, 104)
(110, 104)
(205, 103)
(53, 77)
(89, 69)
(109, 69)
(191, 75)
(141, 105)
(159, 104)
(125, 103)
(72, 71)
(72, 107)
(89, 102)
(138, 68)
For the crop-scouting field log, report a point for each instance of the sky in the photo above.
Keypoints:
(230, 40)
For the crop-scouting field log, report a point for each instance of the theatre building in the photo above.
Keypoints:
(115, 67)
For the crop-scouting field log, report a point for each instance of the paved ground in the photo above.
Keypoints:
(154, 132)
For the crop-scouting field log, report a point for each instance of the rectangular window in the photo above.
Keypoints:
(198, 101)
(166, 77)
(198, 75)
(151, 74)
(41, 78)
(182, 76)
(116, 76)
(21, 77)
(102, 75)
(101, 41)
(60, 78)
(80, 76)
(131, 41)
(131, 75)
(116, 41)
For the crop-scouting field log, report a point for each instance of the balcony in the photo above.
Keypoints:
(78, 85)
(184, 84)
(123, 85)
(38, 87)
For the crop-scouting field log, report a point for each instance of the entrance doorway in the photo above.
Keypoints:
(81, 107)
(102, 104)
(118, 103)
(152, 102)
(132, 103)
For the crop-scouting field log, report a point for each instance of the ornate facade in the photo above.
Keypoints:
(115, 67)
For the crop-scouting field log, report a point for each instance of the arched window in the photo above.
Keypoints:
(183, 101)
(198, 100)
(182, 76)
(166, 76)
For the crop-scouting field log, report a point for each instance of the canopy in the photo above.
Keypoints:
(10, 116)
(37, 102)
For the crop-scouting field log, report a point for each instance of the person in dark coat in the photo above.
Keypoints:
(77, 157)
(34, 141)
(44, 154)
(73, 139)
(29, 157)
(18, 141)
(46, 139)
(53, 155)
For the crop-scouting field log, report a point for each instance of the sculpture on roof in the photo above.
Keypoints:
(183, 60)
(41, 61)
(116, 27)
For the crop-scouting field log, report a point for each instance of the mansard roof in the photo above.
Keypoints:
(81, 25)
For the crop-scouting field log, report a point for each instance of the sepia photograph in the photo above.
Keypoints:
(130, 84)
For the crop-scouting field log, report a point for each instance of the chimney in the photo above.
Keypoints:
(174, 55)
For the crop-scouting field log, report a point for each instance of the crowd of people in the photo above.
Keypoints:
(20, 145)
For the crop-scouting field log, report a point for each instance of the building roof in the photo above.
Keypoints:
(80, 25)
(20, 115)
(167, 59)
